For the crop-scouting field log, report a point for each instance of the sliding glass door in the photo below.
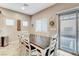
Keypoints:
(78, 33)
(68, 32)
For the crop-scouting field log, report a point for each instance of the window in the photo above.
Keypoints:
(38, 26)
(41, 25)
(10, 22)
(25, 23)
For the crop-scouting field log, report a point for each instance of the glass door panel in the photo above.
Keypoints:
(68, 32)
(78, 33)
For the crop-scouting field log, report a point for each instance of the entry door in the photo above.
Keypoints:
(68, 32)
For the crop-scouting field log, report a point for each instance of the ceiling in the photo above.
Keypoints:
(29, 8)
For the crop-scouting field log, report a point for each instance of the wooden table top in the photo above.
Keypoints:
(40, 41)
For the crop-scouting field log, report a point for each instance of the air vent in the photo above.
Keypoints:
(25, 5)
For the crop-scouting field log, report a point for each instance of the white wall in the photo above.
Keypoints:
(12, 30)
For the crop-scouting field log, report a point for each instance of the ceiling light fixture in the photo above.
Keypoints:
(24, 5)
(23, 8)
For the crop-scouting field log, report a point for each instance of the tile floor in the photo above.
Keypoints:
(10, 51)
(63, 53)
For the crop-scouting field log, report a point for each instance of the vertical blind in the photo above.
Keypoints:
(41, 25)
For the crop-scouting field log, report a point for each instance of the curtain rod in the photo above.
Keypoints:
(67, 10)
